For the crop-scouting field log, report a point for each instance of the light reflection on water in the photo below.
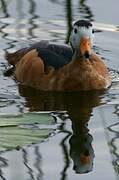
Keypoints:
(22, 22)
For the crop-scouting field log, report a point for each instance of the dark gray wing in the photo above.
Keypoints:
(53, 54)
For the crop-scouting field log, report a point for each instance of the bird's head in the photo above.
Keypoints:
(81, 38)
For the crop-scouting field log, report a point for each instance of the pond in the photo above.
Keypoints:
(58, 136)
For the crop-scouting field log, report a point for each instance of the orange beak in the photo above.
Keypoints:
(85, 159)
(85, 47)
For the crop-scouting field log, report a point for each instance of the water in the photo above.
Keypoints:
(58, 136)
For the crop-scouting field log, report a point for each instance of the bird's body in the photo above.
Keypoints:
(51, 67)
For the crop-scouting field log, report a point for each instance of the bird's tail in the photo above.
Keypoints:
(13, 58)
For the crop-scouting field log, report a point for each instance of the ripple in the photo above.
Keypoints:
(106, 27)
(114, 75)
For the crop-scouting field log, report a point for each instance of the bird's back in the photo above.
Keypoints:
(52, 54)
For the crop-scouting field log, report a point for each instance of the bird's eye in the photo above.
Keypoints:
(75, 31)
(93, 31)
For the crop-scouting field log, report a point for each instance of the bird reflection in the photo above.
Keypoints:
(81, 150)
(79, 106)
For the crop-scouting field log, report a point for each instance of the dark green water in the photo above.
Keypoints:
(36, 144)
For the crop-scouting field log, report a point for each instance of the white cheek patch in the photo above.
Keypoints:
(81, 32)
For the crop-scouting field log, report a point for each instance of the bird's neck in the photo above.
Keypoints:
(77, 55)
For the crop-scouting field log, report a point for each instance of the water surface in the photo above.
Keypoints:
(58, 136)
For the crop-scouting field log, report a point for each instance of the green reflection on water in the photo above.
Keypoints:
(12, 134)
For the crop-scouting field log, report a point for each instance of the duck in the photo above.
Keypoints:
(47, 66)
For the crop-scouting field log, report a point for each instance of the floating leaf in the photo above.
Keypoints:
(13, 132)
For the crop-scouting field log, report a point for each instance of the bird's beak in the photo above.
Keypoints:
(85, 159)
(85, 47)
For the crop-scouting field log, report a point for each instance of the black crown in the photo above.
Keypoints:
(83, 23)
